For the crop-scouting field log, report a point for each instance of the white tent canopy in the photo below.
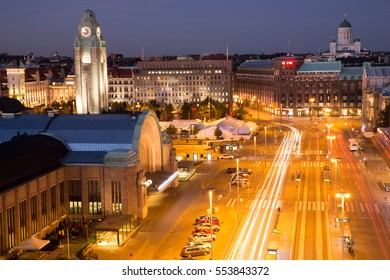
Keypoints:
(32, 244)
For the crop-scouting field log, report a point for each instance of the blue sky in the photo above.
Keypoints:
(181, 27)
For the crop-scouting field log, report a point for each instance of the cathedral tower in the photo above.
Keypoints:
(90, 61)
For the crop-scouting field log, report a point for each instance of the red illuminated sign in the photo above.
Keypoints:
(288, 63)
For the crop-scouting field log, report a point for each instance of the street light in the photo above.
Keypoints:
(343, 195)
(238, 192)
(254, 167)
(265, 143)
(336, 160)
(273, 130)
(329, 125)
(330, 143)
(311, 109)
(210, 190)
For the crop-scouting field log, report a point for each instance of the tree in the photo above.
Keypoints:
(218, 132)
(171, 130)
(383, 119)
(185, 110)
(195, 130)
(240, 112)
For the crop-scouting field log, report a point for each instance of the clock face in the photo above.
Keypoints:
(85, 31)
(98, 31)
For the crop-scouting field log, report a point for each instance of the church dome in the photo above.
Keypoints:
(345, 23)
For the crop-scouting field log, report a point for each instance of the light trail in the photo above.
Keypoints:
(252, 239)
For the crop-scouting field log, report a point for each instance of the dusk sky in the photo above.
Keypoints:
(182, 27)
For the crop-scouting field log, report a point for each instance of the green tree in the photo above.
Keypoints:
(185, 111)
(383, 119)
(195, 130)
(240, 112)
(218, 132)
(171, 130)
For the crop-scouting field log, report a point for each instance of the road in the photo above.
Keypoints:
(308, 208)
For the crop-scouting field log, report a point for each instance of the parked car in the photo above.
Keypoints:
(203, 230)
(201, 237)
(193, 251)
(231, 170)
(226, 156)
(199, 244)
(207, 220)
(215, 218)
(240, 180)
(244, 175)
(245, 170)
(207, 226)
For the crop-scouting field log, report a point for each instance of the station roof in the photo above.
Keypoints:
(21, 158)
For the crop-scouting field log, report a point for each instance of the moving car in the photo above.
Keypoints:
(226, 156)
(193, 251)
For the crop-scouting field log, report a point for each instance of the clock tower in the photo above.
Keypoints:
(90, 62)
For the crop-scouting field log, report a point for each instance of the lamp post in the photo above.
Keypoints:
(138, 106)
(273, 130)
(337, 175)
(342, 195)
(210, 190)
(311, 109)
(330, 143)
(265, 143)
(238, 193)
(329, 125)
(254, 167)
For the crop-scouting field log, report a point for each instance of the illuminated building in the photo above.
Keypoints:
(376, 93)
(90, 62)
(344, 45)
(300, 88)
(183, 80)
(82, 166)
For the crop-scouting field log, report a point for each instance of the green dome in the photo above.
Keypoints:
(345, 23)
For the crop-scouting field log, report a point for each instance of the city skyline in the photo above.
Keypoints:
(173, 27)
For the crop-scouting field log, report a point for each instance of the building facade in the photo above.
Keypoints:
(121, 85)
(90, 63)
(183, 80)
(95, 167)
(376, 93)
(291, 86)
(345, 43)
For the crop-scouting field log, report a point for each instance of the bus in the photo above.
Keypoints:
(353, 144)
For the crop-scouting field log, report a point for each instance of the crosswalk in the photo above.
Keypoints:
(315, 152)
(323, 163)
(349, 207)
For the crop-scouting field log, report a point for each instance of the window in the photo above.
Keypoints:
(11, 224)
(62, 198)
(94, 197)
(23, 220)
(75, 203)
(53, 211)
(34, 214)
(116, 197)
(44, 214)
